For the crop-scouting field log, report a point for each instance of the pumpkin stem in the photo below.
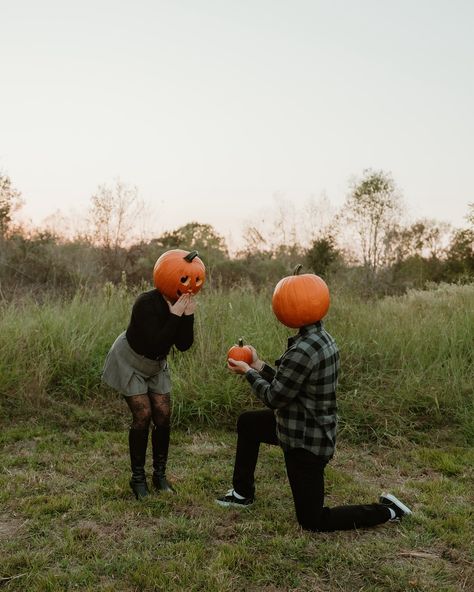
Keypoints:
(190, 256)
(297, 269)
(241, 342)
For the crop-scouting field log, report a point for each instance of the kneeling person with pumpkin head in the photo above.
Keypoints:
(136, 364)
(302, 414)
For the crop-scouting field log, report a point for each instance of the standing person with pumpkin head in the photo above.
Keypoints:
(136, 364)
(302, 414)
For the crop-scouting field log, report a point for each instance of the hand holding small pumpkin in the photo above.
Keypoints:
(237, 366)
(257, 364)
(241, 358)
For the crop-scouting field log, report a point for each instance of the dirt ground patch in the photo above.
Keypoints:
(9, 526)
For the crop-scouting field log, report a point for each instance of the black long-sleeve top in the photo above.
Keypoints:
(153, 329)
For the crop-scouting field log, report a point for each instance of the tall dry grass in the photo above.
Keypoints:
(406, 362)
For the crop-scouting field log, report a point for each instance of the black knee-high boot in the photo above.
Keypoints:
(138, 441)
(160, 438)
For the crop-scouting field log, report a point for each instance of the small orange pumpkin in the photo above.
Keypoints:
(240, 352)
(300, 300)
(178, 272)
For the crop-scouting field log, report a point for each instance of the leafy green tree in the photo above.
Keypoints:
(460, 254)
(323, 255)
(196, 236)
(10, 200)
(423, 238)
(373, 208)
(460, 258)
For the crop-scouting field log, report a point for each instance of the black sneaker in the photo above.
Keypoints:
(389, 500)
(230, 499)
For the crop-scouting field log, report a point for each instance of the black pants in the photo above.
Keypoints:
(306, 476)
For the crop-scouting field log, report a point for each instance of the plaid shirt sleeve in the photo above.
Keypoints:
(267, 372)
(287, 381)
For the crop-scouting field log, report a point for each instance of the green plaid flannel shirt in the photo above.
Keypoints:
(302, 391)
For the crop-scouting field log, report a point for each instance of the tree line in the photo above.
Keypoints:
(365, 246)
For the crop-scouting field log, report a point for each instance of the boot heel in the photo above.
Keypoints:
(140, 489)
(161, 483)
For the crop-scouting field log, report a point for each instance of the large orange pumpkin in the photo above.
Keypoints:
(240, 352)
(300, 300)
(178, 272)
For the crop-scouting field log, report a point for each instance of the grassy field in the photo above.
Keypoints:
(68, 520)
(407, 362)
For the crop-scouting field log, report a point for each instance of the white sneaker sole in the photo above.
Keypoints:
(231, 504)
(398, 503)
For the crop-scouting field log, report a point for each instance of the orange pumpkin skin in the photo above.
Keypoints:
(300, 300)
(241, 353)
(178, 272)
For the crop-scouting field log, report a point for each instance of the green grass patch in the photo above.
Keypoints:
(69, 520)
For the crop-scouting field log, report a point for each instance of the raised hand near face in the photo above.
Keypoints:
(191, 306)
(180, 305)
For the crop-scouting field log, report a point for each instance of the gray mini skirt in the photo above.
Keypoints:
(131, 374)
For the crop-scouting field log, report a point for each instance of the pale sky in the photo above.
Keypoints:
(212, 107)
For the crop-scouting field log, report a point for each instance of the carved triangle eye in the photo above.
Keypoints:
(185, 280)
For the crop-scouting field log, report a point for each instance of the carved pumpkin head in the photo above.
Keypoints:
(300, 300)
(178, 272)
(240, 352)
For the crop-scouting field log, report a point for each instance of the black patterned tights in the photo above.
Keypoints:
(147, 408)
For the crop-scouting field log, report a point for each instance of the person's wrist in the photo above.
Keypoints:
(257, 365)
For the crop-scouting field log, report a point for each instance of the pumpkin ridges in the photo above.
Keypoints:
(240, 352)
(300, 300)
(175, 264)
